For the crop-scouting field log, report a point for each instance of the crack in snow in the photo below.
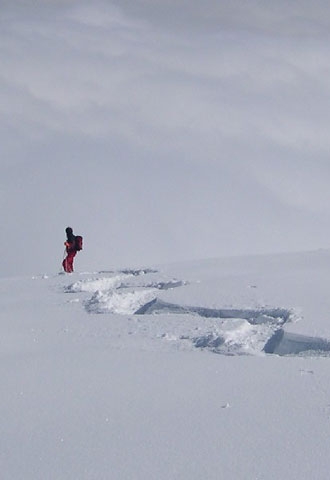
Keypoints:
(277, 316)
(285, 343)
(227, 331)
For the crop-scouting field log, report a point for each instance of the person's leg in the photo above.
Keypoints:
(69, 259)
(65, 264)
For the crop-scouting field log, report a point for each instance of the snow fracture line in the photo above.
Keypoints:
(277, 316)
(284, 343)
(280, 343)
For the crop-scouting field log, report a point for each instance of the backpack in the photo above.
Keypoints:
(78, 243)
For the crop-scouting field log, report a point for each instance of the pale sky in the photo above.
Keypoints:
(162, 130)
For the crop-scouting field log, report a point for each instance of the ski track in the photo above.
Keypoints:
(224, 331)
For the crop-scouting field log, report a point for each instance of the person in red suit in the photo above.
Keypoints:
(70, 246)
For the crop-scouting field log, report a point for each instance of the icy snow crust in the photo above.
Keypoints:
(112, 375)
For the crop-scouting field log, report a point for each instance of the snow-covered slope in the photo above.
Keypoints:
(216, 369)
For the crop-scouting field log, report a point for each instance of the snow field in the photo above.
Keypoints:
(109, 393)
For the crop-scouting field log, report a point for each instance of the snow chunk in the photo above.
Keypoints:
(98, 284)
(121, 302)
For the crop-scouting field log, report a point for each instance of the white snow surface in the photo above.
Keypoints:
(217, 369)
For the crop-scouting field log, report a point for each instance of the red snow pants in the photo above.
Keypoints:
(68, 261)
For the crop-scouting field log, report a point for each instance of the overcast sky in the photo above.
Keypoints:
(162, 130)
